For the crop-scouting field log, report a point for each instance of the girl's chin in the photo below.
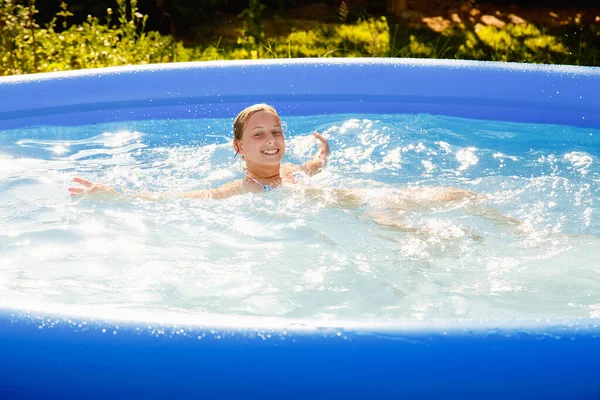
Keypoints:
(265, 161)
(274, 159)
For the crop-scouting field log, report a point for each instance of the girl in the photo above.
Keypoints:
(258, 138)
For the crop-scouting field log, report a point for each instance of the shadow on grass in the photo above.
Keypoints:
(469, 38)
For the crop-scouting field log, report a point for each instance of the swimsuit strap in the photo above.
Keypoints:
(265, 187)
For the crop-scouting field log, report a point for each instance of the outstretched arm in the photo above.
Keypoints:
(89, 188)
(227, 190)
(315, 165)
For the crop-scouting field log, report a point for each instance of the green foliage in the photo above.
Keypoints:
(252, 20)
(251, 35)
(343, 11)
(363, 39)
(369, 38)
(27, 48)
(515, 43)
(121, 38)
(16, 36)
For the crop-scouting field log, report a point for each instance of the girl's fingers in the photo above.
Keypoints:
(76, 191)
(318, 136)
(324, 147)
(83, 182)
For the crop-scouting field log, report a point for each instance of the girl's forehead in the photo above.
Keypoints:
(264, 118)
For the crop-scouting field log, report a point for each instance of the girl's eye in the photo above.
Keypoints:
(276, 132)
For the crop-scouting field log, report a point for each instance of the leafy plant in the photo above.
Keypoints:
(121, 38)
(251, 34)
(87, 45)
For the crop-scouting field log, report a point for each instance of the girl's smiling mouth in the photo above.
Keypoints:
(270, 152)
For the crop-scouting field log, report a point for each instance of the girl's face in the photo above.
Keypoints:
(262, 142)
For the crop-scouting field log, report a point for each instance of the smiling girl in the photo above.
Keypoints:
(259, 139)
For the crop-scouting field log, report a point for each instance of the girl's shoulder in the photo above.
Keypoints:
(249, 185)
(289, 167)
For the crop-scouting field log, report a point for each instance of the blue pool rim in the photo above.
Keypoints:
(92, 352)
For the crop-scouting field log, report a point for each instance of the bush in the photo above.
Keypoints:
(121, 39)
(514, 42)
(364, 39)
(27, 48)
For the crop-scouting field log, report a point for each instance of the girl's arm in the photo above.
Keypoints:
(315, 165)
(228, 190)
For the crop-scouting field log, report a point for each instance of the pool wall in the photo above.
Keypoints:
(484, 90)
(45, 356)
(51, 353)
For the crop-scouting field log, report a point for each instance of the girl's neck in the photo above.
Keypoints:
(263, 171)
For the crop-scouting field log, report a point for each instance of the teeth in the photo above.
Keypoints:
(270, 151)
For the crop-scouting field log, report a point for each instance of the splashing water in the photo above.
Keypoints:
(524, 249)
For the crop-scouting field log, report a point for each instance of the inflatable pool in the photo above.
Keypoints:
(81, 351)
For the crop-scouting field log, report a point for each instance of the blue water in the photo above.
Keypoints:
(525, 248)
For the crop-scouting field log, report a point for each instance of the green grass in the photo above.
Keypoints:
(120, 38)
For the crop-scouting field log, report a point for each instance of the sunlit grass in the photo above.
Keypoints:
(120, 38)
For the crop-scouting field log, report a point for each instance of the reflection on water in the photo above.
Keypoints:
(366, 238)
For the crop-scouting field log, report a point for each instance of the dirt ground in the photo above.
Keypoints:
(433, 14)
(443, 12)
(437, 14)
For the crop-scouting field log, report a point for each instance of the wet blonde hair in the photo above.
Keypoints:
(244, 116)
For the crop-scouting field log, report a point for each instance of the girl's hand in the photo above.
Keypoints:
(323, 151)
(91, 188)
(315, 165)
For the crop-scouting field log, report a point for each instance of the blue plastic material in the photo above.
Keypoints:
(48, 353)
